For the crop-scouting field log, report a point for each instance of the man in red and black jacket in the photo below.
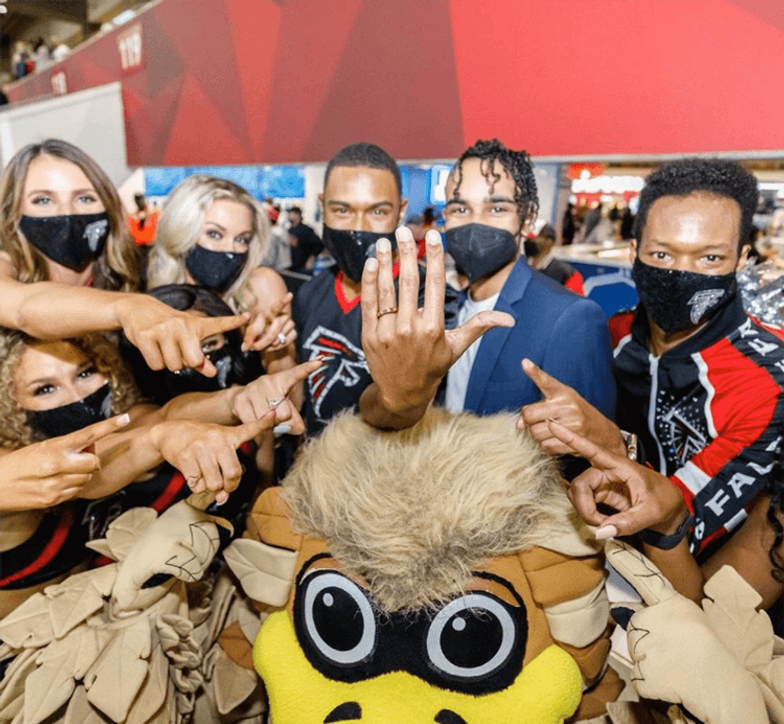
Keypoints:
(699, 382)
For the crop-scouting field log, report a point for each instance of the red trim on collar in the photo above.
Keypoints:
(345, 305)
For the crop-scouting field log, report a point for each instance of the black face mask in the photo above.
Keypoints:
(480, 250)
(676, 300)
(73, 241)
(351, 249)
(165, 385)
(216, 270)
(70, 418)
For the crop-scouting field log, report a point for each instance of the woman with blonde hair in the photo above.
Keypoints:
(68, 266)
(213, 233)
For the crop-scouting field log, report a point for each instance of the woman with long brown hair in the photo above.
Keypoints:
(68, 266)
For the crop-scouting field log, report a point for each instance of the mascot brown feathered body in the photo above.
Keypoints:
(436, 574)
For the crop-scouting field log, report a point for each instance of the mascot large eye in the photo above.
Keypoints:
(339, 618)
(472, 637)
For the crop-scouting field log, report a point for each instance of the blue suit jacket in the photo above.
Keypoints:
(563, 333)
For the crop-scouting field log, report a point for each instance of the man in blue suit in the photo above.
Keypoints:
(491, 200)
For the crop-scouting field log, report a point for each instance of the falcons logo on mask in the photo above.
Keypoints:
(95, 232)
(702, 301)
(345, 364)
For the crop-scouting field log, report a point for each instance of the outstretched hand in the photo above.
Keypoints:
(566, 406)
(408, 350)
(271, 329)
(255, 399)
(642, 497)
(206, 454)
(170, 338)
(50, 472)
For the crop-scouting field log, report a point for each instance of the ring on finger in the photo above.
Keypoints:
(388, 310)
(281, 338)
(276, 402)
(193, 480)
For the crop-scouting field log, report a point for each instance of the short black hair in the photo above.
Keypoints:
(296, 210)
(368, 155)
(517, 164)
(708, 175)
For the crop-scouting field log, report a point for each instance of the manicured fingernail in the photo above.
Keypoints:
(124, 419)
(606, 531)
(244, 347)
(281, 429)
(371, 264)
(432, 240)
(383, 245)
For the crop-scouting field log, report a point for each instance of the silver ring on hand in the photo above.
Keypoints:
(281, 338)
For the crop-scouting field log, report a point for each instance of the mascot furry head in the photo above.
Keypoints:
(436, 574)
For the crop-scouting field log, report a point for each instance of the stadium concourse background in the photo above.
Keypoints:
(289, 81)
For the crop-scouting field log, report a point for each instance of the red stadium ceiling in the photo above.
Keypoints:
(252, 81)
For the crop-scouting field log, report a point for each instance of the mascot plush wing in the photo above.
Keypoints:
(435, 574)
(720, 663)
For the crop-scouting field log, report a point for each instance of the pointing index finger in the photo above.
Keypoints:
(243, 433)
(217, 325)
(597, 456)
(547, 384)
(81, 439)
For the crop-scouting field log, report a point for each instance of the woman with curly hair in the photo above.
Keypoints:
(53, 389)
(68, 266)
(213, 233)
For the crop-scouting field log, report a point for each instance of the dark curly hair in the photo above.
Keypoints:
(516, 163)
(368, 155)
(708, 175)
(774, 486)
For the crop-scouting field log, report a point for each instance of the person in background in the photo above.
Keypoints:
(416, 225)
(43, 55)
(539, 253)
(19, 60)
(61, 51)
(569, 225)
(305, 242)
(278, 254)
(143, 222)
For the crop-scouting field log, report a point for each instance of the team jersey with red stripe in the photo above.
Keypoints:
(56, 547)
(709, 413)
